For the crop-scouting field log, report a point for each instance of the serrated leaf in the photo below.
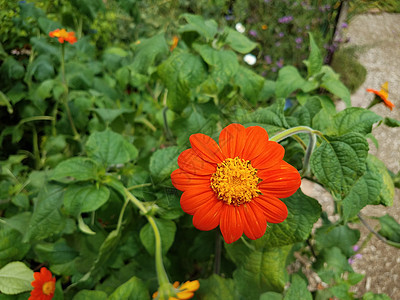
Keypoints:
(303, 211)
(365, 191)
(340, 161)
(259, 271)
(206, 28)
(108, 148)
(15, 278)
(271, 296)
(77, 169)
(133, 289)
(298, 289)
(315, 58)
(342, 237)
(387, 192)
(80, 198)
(46, 219)
(355, 119)
(163, 162)
(89, 295)
(181, 73)
(250, 83)
(167, 231)
(216, 288)
(239, 42)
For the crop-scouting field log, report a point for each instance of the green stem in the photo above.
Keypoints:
(161, 273)
(168, 131)
(36, 152)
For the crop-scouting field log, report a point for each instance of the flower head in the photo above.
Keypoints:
(285, 19)
(43, 285)
(250, 59)
(383, 94)
(240, 28)
(184, 291)
(63, 35)
(175, 41)
(235, 184)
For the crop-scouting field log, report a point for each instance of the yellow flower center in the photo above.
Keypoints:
(48, 287)
(235, 181)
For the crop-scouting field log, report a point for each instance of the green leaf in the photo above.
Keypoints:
(89, 295)
(206, 28)
(389, 228)
(259, 271)
(181, 73)
(331, 83)
(11, 246)
(331, 263)
(108, 148)
(298, 289)
(268, 90)
(238, 42)
(147, 52)
(55, 253)
(387, 192)
(365, 191)
(289, 80)
(15, 278)
(80, 198)
(391, 122)
(76, 169)
(133, 289)
(4, 101)
(315, 61)
(303, 211)
(42, 68)
(271, 296)
(342, 237)
(167, 231)
(340, 161)
(46, 219)
(163, 162)
(108, 115)
(88, 8)
(12, 69)
(250, 83)
(355, 119)
(216, 287)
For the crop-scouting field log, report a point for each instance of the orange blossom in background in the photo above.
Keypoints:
(235, 184)
(43, 285)
(63, 35)
(383, 94)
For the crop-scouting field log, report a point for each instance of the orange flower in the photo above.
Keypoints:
(63, 35)
(183, 292)
(264, 27)
(43, 285)
(175, 41)
(383, 94)
(235, 185)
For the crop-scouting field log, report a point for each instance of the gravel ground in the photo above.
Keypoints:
(378, 39)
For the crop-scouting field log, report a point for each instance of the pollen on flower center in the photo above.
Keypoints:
(235, 181)
(48, 287)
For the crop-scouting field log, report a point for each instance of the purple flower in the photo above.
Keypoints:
(281, 34)
(268, 59)
(279, 63)
(285, 19)
(253, 33)
(298, 40)
(350, 261)
(358, 256)
(344, 25)
(356, 248)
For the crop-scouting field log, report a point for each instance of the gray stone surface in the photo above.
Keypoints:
(377, 38)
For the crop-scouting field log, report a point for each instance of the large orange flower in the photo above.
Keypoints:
(43, 285)
(383, 94)
(235, 185)
(63, 35)
(183, 292)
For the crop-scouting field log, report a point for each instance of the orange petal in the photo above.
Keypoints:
(254, 221)
(274, 209)
(271, 155)
(190, 162)
(282, 181)
(207, 216)
(193, 198)
(231, 223)
(232, 140)
(184, 295)
(206, 148)
(190, 286)
(256, 142)
(388, 103)
(183, 180)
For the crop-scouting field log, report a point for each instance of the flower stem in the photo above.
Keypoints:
(161, 273)
(311, 144)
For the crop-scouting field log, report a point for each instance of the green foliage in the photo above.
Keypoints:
(91, 133)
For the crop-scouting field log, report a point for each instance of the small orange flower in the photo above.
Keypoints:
(183, 292)
(383, 94)
(235, 185)
(264, 27)
(63, 35)
(43, 285)
(175, 41)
